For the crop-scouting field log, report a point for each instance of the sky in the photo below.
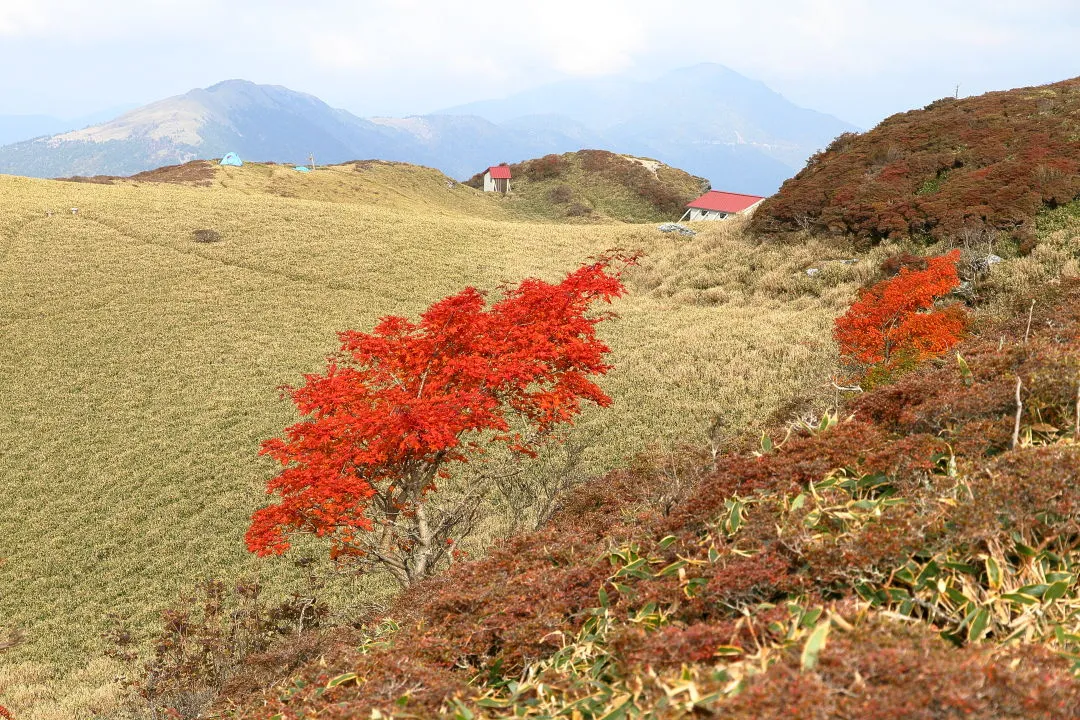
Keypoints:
(860, 60)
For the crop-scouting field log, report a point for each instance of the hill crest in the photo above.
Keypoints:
(987, 162)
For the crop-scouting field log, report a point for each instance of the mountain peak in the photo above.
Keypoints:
(729, 128)
(234, 84)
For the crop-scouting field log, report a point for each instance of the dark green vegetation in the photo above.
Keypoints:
(992, 161)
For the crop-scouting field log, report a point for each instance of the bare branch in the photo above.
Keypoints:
(1019, 412)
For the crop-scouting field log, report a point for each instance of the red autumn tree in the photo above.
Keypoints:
(397, 408)
(896, 318)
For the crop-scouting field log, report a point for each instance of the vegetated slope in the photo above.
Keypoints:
(918, 551)
(595, 183)
(140, 364)
(990, 161)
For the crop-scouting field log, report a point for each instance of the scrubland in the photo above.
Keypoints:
(140, 368)
(913, 554)
(140, 371)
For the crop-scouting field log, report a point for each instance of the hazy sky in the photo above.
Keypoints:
(858, 59)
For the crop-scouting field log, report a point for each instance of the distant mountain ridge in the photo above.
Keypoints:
(15, 128)
(707, 119)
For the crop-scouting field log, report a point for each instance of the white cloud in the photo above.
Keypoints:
(18, 18)
(420, 54)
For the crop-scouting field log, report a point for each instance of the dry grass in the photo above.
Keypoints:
(139, 367)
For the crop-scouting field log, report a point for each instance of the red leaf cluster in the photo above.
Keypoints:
(897, 316)
(401, 404)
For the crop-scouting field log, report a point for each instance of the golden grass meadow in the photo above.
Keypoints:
(139, 368)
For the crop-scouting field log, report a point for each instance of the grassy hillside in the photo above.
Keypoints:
(139, 368)
(914, 555)
(589, 185)
(993, 161)
(904, 559)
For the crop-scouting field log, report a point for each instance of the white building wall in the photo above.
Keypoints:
(696, 214)
(489, 184)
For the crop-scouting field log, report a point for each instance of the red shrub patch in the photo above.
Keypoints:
(993, 160)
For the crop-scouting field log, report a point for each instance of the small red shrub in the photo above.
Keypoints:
(894, 321)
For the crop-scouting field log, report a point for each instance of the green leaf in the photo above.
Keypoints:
(979, 625)
(1056, 591)
(667, 542)
(1025, 550)
(799, 501)
(897, 594)
(631, 568)
(868, 593)
(814, 645)
(961, 567)
(993, 573)
(956, 596)
(1036, 590)
(766, 444)
(672, 569)
(463, 713)
(810, 617)
(905, 575)
(693, 585)
(714, 555)
(929, 572)
(341, 680)
(604, 600)
(965, 371)
(728, 651)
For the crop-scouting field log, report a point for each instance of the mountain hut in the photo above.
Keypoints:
(717, 205)
(497, 179)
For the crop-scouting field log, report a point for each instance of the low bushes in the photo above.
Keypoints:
(906, 550)
(991, 161)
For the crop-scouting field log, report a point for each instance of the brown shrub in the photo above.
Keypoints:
(889, 670)
(561, 194)
(992, 162)
(206, 236)
(893, 264)
(199, 173)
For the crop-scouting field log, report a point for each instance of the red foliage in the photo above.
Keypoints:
(896, 316)
(990, 161)
(398, 406)
(5, 713)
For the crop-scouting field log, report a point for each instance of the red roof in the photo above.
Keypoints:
(724, 201)
(499, 172)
